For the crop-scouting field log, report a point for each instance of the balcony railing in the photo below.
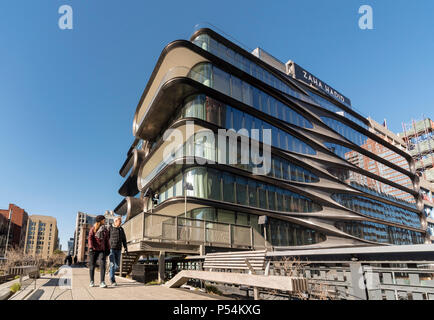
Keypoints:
(164, 228)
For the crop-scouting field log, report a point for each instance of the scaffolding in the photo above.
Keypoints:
(419, 137)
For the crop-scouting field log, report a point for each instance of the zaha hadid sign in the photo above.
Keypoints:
(301, 74)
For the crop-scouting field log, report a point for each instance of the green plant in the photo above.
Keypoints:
(212, 289)
(15, 287)
(16, 277)
(153, 283)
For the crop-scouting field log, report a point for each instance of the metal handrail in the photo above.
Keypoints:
(225, 228)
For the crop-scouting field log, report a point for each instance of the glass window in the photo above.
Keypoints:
(236, 87)
(262, 195)
(221, 81)
(203, 74)
(238, 119)
(271, 197)
(225, 216)
(241, 184)
(381, 233)
(379, 210)
(228, 188)
(253, 197)
(256, 99)
(242, 219)
(214, 185)
(229, 120)
(247, 94)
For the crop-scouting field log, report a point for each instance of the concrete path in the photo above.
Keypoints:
(74, 285)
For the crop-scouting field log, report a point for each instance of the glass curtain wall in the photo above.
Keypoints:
(372, 186)
(232, 86)
(225, 116)
(211, 45)
(363, 141)
(218, 49)
(223, 186)
(381, 233)
(280, 233)
(369, 164)
(379, 210)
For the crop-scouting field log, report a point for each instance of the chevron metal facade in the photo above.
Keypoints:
(332, 182)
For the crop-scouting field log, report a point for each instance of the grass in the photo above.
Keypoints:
(15, 288)
(212, 289)
(48, 271)
(153, 283)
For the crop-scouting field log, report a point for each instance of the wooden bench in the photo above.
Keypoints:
(247, 269)
(251, 261)
(31, 271)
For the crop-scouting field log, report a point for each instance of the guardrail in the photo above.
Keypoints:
(26, 276)
(358, 281)
(146, 226)
(24, 270)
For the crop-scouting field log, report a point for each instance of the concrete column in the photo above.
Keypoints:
(161, 266)
(357, 281)
(255, 293)
(202, 250)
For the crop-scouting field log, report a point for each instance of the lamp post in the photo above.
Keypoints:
(9, 229)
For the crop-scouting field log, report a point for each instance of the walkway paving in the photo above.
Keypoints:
(74, 285)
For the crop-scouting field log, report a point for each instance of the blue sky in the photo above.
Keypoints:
(68, 97)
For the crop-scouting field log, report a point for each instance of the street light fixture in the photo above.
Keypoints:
(9, 229)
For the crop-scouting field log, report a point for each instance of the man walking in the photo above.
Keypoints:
(117, 239)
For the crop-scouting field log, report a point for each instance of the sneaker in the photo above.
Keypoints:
(92, 284)
(114, 284)
(102, 285)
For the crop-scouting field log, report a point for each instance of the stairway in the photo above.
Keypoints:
(127, 262)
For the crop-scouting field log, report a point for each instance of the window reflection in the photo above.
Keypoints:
(281, 168)
(232, 86)
(381, 233)
(279, 232)
(366, 143)
(223, 186)
(370, 165)
(218, 49)
(373, 186)
(208, 109)
(379, 210)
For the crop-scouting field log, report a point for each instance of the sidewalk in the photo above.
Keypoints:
(50, 288)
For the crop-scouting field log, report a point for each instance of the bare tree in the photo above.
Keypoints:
(293, 267)
(16, 257)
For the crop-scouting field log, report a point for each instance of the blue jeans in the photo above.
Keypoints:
(115, 258)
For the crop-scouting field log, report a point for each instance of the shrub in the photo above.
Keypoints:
(15, 288)
(212, 289)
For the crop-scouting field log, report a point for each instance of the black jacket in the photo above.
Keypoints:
(117, 238)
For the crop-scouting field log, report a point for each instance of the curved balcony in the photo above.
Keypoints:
(131, 168)
(130, 207)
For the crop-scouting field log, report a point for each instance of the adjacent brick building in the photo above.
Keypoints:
(18, 227)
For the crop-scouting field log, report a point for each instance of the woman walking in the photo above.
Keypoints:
(99, 249)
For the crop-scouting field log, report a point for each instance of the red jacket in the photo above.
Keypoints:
(99, 244)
